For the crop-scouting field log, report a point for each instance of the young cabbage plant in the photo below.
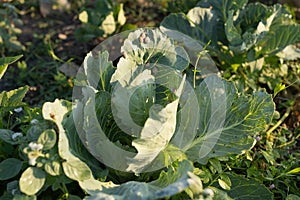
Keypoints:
(162, 104)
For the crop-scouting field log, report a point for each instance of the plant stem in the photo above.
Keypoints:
(286, 114)
(65, 189)
(200, 54)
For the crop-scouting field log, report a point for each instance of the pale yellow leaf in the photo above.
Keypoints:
(109, 24)
(121, 16)
(83, 17)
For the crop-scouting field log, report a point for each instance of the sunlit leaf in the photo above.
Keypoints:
(83, 17)
(294, 171)
(76, 170)
(4, 62)
(47, 139)
(32, 180)
(278, 88)
(53, 168)
(109, 24)
(13, 98)
(121, 15)
(223, 184)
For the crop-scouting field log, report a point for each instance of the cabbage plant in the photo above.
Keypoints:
(159, 110)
